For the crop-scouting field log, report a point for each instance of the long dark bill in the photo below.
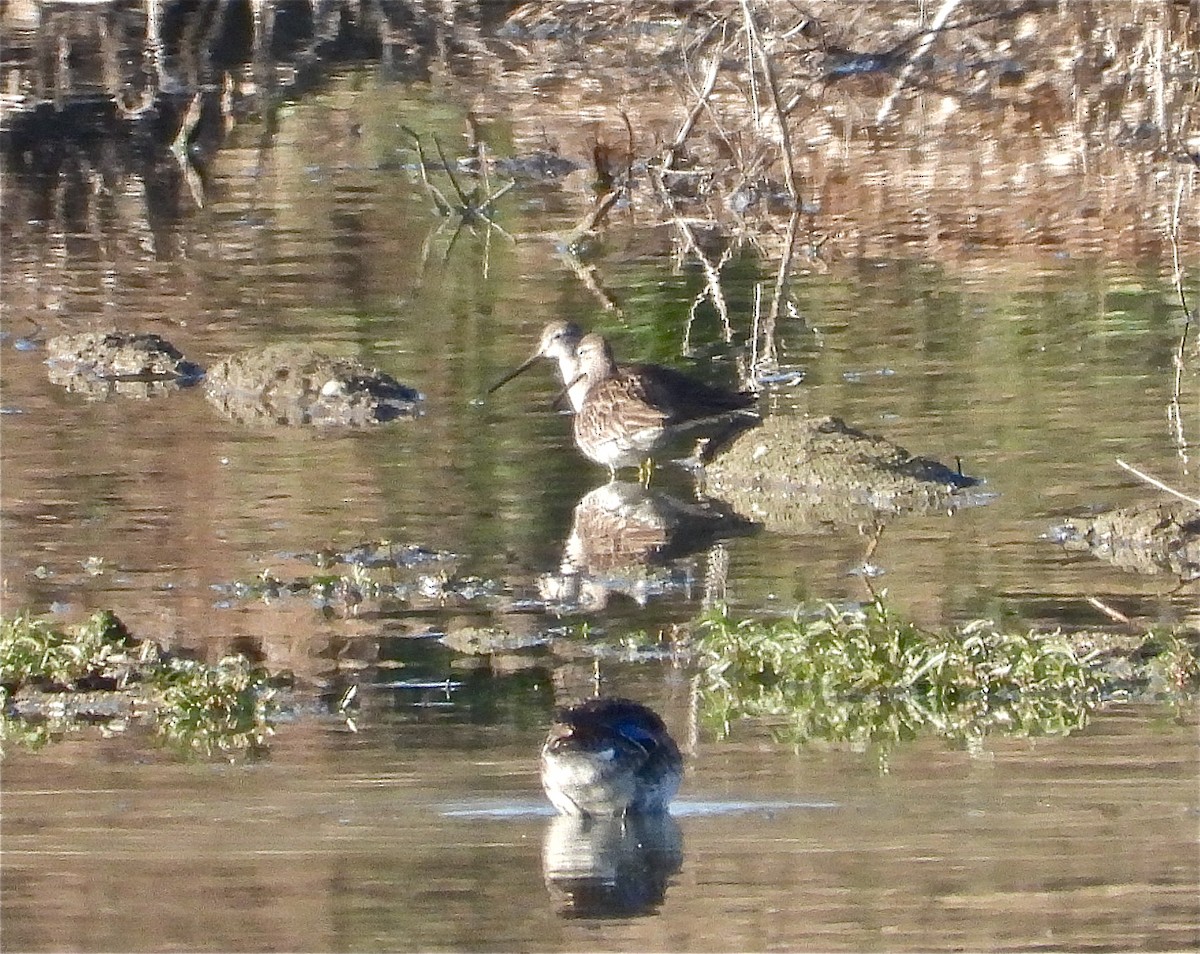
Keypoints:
(520, 369)
(557, 402)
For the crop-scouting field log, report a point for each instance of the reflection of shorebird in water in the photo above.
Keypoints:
(610, 757)
(633, 413)
(621, 530)
(630, 416)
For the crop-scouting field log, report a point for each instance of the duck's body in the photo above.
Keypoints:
(610, 757)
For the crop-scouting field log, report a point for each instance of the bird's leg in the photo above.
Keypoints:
(645, 472)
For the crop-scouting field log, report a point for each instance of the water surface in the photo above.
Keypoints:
(1037, 350)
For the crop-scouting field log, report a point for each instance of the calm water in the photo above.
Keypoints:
(397, 838)
(425, 829)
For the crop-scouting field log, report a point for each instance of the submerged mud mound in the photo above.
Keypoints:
(102, 363)
(797, 475)
(1149, 538)
(297, 385)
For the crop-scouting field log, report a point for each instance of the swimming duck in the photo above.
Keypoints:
(608, 757)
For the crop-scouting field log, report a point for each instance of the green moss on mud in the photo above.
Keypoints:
(57, 680)
(868, 678)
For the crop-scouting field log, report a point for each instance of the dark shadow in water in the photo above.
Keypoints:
(610, 867)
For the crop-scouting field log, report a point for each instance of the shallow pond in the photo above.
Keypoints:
(1027, 338)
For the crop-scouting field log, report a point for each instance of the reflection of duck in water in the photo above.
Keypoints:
(621, 529)
(610, 757)
(610, 867)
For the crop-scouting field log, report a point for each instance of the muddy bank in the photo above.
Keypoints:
(1038, 121)
(297, 385)
(796, 475)
(101, 364)
(1148, 538)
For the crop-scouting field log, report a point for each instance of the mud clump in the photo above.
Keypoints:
(296, 385)
(1148, 538)
(100, 364)
(797, 475)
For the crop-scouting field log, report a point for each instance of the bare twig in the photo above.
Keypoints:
(588, 277)
(590, 222)
(471, 209)
(1174, 412)
(439, 200)
(673, 151)
(587, 274)
(767, 359)
(926, 41)
(712, 273)
(1115, 615)
(708, 292)
(462, 196)
(491, 199)
(628, 155)
(1155, 482)
(768, 70)
(785, 267)
(765, 327)
(479, 148)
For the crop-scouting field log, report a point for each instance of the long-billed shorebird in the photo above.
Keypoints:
(557, 343)
(638, 410)
(628, 416)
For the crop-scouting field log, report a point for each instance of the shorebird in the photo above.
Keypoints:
(558, 342)
(609, 757)
(628, 416)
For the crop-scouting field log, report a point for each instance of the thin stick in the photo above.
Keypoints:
(1174, 414)
(590, 222)
(1155, 482)
(491, 199)
(712, 274)
(768, 69)
(1108, 611)
(756, 365)
(588, 277)
(466, 203)
(686, 129)
(785, 267)
(708, 292)
(910, 64)
(750, 50)
(438, 199)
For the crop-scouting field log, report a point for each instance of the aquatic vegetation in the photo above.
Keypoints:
(374, 571)
(866, 677)
(58, 680)
(34, 651)
(224, 708)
